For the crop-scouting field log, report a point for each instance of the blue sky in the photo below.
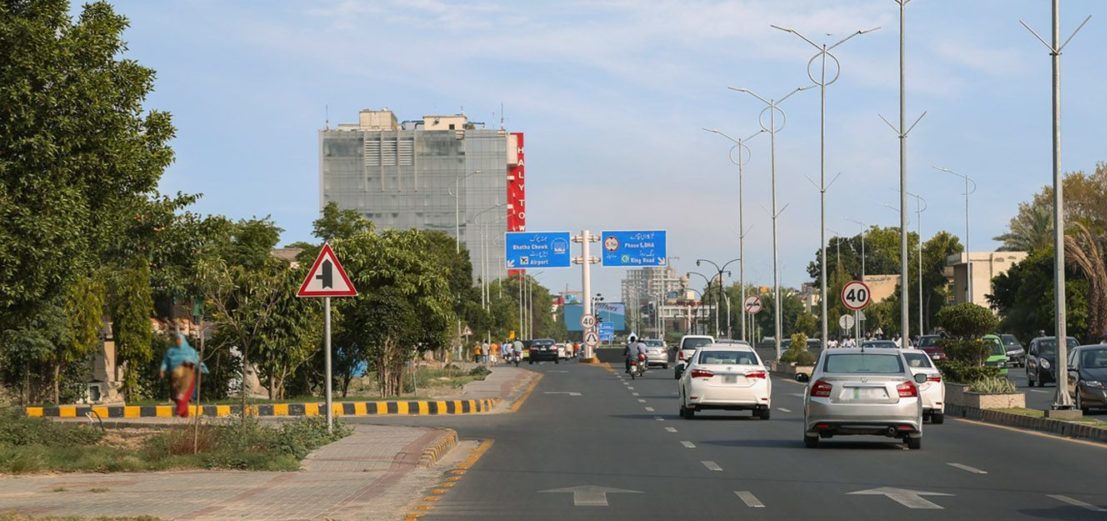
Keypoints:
(612, 97)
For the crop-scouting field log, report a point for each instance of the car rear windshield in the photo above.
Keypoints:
(693, 343)
(727, 358)
(848, 363)
(928, 340)
(655, 343)
(918, 360)
(541, 342)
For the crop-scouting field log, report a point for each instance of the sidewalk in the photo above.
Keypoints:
(370, 474)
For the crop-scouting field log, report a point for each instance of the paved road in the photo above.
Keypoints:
(1036, 397)
(723, 465)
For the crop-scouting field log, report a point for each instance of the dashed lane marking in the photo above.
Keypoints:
(634, 394)
(967, 468)
(671, 429)
(712, 466)
(688, 444)
(1076, 503)
(649, 409)
(749, 499)
(658, 418)
(782, 409)
(641, 400)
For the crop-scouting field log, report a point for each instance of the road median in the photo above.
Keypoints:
(352, 409)
(1075, 430)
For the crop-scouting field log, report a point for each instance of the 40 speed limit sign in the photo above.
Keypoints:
(856, 295)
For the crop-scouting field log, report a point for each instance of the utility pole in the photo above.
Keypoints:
(586, 260)
(1062, 400)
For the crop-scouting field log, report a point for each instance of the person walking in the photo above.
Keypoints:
(181, 362)
(484, 352)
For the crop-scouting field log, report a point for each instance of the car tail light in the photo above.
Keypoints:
(680, 355)
(822, 426)
(821, 389)
(702, 373)
(756, 374)
(907, 390)
(934, 378)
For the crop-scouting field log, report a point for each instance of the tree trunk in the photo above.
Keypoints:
(57, 383)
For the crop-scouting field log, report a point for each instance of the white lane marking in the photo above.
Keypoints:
(641, 400)
(908, 498)
(658, 418)
(967, 468)
(688, 444)
(631, 388)
(649, 409)
(671, 429)
(782, 409)
(797, 395)
(563, 392)
(749, 499)
(712, 466)
(1076, 503)
(1041, 391)
(590, 495)
(634, 394)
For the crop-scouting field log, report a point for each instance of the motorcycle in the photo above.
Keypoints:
(516, 358)
(633, 369)
(642, 364)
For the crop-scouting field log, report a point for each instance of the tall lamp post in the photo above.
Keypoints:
(457, 207)
(822, 81)
(484, 267)
(864, 228)
(920, 207)
(772, 106)
(968, 259)
(1062, 399)
(743, 157)
(720, 271)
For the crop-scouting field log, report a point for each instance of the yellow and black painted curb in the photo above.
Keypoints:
(381, 408)
(437, 492)
(445, 442)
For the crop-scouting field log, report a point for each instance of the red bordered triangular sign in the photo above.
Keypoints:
(327, 278)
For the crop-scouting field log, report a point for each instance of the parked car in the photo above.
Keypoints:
(997, 355)
(1088, 377)
(688, 346)
(543, 349)
(1041, 360)
(933, 392)
(657, 353)
(562, 352)
(726, 376)
(929, 343)
(1016, 353)
(863, 392)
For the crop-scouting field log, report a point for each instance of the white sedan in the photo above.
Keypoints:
(728, 377)
(933, 392)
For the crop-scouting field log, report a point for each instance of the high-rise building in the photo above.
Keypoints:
(650, 288)
(441, 173)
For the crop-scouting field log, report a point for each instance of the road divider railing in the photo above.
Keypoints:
(374, 408)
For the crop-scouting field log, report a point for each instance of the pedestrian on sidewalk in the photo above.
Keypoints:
(484, 352)
(181, 361)
(476, 352)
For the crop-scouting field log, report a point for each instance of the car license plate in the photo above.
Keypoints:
(730, 379)
(865, 393)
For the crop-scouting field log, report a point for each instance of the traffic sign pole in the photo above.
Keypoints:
(327, 361)
(586, 282)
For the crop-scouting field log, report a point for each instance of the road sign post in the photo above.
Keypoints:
(752, 305)
(856, 295)
(327, 279)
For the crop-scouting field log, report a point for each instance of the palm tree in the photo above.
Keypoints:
(1030, 230)
(1085, 251)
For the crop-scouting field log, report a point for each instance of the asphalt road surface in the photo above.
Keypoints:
(592, 445)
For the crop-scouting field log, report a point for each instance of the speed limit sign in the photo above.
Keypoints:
(856, 295)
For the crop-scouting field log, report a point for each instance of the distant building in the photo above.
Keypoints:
(441, 172)
(881, 287)
(984, 267)
(651, 289)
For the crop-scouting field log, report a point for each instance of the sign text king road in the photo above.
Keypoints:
(634, 248)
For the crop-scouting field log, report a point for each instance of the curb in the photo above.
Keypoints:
(382, 408)
(439, 448)
(1058, 427)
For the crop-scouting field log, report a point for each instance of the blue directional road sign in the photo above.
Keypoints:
(525, 250)
(634, 248)
(607, 331)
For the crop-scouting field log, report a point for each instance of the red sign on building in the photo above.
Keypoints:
(516, 187)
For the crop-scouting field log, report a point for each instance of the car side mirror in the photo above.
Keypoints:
(802, 377)
(920, 378)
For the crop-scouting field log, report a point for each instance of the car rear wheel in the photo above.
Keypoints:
(1080, 402)
(937, 418)
(810, 441)
(664, 366)
(914, 443)
(764, 414)
(1029, 380)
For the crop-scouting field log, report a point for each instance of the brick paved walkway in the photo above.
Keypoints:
(368, 475)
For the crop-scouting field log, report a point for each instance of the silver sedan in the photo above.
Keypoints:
(856, 391)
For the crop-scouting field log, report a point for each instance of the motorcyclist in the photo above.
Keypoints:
(632, 350)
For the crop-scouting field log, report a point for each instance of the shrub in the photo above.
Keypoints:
(480, 370)
(992, 385)
(967, 320)
(972, 351)
(19, 430)
(962, 372)
(797, 353)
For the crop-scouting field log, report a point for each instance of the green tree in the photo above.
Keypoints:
(789, 313)
(1023, 296)
(967, 320)
(292, 333)
(132, 306)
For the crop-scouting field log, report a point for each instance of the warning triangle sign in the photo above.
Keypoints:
(327, 278)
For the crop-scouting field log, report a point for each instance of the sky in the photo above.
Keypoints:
(613, 98)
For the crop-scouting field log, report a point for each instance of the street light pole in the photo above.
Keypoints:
(822, 55)
(920, 207)
(741, 147)
(1062, 399)
(772, 106)
(457, 208)
(721, 271)
(968, 258)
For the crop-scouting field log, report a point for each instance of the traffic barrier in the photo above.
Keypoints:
(381, 408)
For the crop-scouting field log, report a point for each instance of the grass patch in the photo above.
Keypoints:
(29, 445)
